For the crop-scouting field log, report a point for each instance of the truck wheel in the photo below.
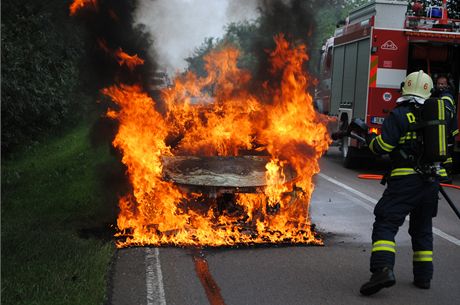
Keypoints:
(350, 155)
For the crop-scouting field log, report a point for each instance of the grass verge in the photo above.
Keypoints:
(54, 208)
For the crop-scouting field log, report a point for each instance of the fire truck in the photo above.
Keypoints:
(363, 65)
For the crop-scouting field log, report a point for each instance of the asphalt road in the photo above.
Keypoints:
(341, 208)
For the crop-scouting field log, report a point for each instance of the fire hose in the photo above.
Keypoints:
(441, 189)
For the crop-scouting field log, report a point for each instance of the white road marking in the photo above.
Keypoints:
(446, 236)
(374, 202)
(154, 278)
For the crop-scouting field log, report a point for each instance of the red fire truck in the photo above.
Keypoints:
(363, 64)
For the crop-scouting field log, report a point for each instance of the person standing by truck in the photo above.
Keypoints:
(444, 91)
(412, 187)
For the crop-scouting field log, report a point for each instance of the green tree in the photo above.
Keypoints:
(327, 19)
(243, 35)
(196, 61)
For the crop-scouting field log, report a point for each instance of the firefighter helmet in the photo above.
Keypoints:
(418, 84)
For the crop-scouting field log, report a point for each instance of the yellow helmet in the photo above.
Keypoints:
(418, 84)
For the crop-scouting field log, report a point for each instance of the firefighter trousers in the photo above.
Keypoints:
(411, 195)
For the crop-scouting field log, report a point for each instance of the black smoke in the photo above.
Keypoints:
(112, 24)
(294, 19)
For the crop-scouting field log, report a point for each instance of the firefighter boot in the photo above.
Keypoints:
(380, 279)
(422, 284)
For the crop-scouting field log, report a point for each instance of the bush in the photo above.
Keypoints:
(41, 50)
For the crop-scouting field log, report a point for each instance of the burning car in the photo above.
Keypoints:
(237, 170)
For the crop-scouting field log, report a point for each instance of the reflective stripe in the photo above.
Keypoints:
(448, 98)
(386, 147)
(382, 248)
(423, 256)
(442, 172)
(402, 172)
(371, 145)
(409, 136)
(455, 132)
(384, 242)
(442, 128)
(384, 245)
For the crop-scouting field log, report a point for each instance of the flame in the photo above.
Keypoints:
(275, 182)
(217, 115)
(79, 4)
(131, 61)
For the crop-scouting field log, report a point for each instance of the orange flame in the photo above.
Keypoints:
(79, 4)
(131, 61)
(275, 182)
(217, 116)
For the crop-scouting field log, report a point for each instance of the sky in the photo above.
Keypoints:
(180, 26)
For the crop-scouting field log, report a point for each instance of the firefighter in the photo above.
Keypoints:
(408, 191)
(445, 91)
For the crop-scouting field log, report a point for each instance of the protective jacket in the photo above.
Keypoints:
(448, 97)
(402, 138)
